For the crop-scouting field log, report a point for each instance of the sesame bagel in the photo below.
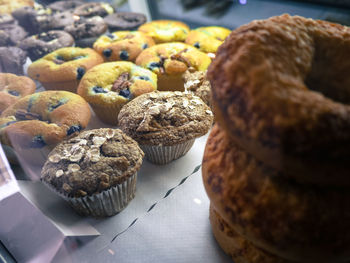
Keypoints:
(280, 91)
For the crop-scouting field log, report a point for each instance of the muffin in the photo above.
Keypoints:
(95, 171)
(35, 19)
(122, 45)
(12, 88)
(64, 68)
(165, 124)
(125, 21)
(62, 6)
(37, 122)
(40, 45)
(108, 86)
(197, 83)
(86, 30)
(7, 6)
(12, 60)
(11, 34)
(169, 61)
(207, 39)
(163, 31)
(93, 9)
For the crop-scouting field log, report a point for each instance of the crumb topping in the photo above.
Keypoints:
(165, 118)
(91, 162)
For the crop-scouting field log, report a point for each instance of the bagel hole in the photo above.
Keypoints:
(329, 74)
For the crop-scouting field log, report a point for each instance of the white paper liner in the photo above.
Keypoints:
(165, 154)
(106, 203)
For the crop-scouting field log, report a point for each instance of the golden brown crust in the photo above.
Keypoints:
(12, 88)
(169, 61)
(163, 31)
(44, 118)
(236, 246)
(293, 221)
(267, 81)
(64, 67)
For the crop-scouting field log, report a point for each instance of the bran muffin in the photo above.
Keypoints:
(109, 86)
(12, 88)
(125, 21)
(169, 61)
(165, 124)
(12, 60)
(95, 171)
(63, 68)
(197, 83)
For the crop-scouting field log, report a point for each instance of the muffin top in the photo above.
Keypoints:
(92, 162)
(197, 83)
(165, 118)
(163, 31)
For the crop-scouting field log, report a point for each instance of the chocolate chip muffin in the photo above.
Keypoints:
(61, 6)
(95, 171)
(125, 21)
(94, 9)
(11, 34)
(165, 124)
(39, 45)
(86, 30)
(12, 60)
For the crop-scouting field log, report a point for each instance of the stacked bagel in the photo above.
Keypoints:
(275, 165)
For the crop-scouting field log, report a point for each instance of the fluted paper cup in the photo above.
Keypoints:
(106, 203)
(165, 154)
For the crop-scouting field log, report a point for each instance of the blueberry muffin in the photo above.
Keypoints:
(163, 31)
(165, 124)
(64, 68)
(207, 39)
(122, 45)
(109, 86)
(40, 45)
(37, 122)
(125, 21)
(8, 6)
(86, 30)
(95, 171)
(170, 60)
(12, 88)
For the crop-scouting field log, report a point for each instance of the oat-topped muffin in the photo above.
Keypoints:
(95, 171)
(197, 83)
(165, 124)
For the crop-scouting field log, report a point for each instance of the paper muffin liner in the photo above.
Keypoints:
(107, 114)
(106, 203)
(165, 154)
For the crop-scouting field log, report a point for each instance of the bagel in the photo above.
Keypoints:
(300, 223)
(280, 89)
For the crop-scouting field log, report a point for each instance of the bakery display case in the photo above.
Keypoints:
(140, 131)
